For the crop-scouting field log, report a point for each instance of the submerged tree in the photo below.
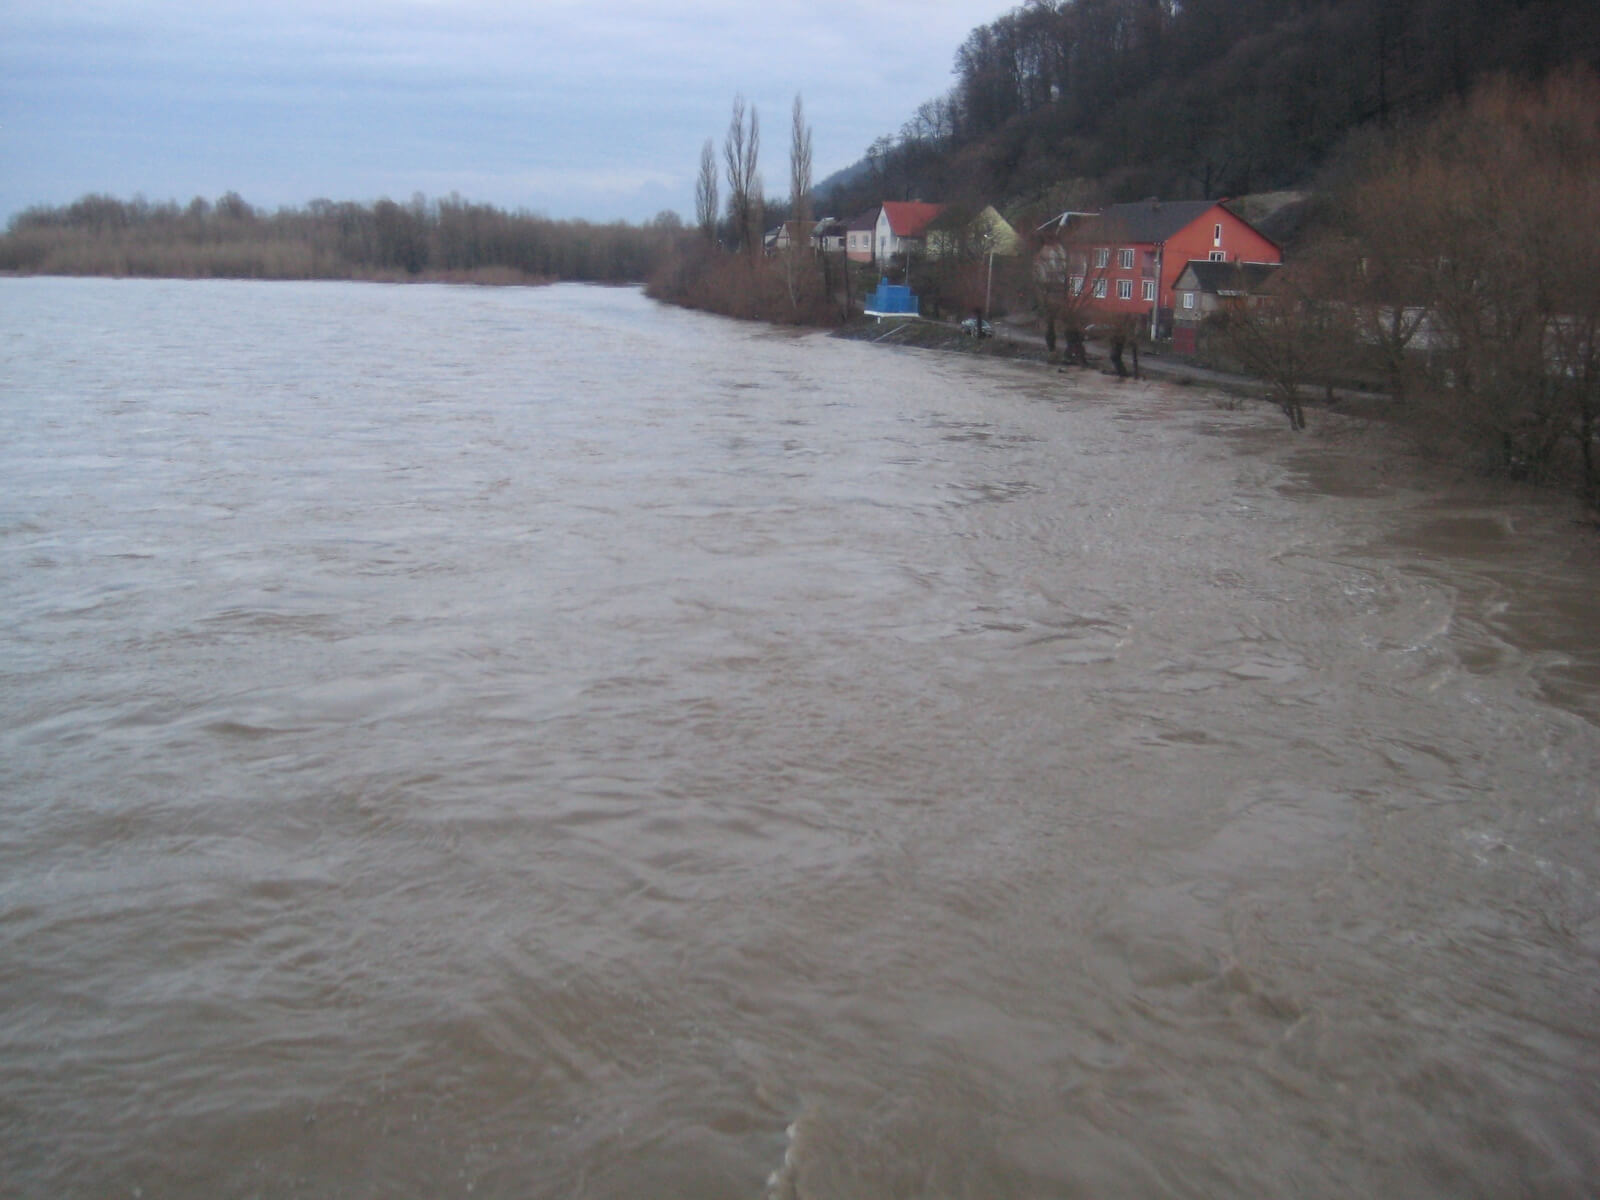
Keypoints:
(1070, 285)
(1291, 333)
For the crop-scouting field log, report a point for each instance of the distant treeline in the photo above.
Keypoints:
(449, 239)
(1076, 103)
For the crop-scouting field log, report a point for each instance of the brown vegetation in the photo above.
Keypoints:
(1461, 268)
(1493, 210)
(788, 289)
(451, 240)
(1296, 333)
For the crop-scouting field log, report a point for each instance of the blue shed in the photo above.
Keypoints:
(892, 300)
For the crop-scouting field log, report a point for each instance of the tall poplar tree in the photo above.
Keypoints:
(741, 152)
(800, 167)
(705, 192)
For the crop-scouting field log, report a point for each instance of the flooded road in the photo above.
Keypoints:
(537, 743)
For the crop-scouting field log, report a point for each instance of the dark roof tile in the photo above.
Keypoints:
(1145, 221)
(1222, 278)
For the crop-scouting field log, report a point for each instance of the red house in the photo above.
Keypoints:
(901, 227)
(1131, 255)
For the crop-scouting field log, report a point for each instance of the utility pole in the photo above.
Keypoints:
(1155, 306)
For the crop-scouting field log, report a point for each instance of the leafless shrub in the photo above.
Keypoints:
(1482, 227)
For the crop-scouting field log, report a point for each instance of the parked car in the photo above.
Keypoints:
(977, 327)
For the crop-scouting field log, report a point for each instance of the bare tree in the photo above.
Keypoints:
(1389, 281)
(1070, 283)
(1289, 334)
(741, 152)
(1489, 212)
(797, 258)
(705, 193)
(800, 166)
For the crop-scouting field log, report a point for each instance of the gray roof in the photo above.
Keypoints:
(1144, 221)
(864, 221)
(1226, 278)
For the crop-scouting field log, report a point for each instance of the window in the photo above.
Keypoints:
(1077, 285)
(1216, 234)
(1125, 259)
(1100, 289)
(1188, 299)
(1219, 256)
(1102, 257)
(1149, 289)
(1124, 289)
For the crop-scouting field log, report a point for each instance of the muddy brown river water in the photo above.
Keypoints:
(535, 743)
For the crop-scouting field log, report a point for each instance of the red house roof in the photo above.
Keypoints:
(909, 218)
(1152, 222)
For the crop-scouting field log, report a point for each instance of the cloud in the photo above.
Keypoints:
(560, 104)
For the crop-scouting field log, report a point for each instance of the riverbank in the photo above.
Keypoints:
(1016, 343)
(937, 335)
(1387, 441)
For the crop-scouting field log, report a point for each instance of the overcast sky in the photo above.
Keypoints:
(573, 108)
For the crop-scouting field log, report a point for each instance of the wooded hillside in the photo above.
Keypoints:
(1080, 102)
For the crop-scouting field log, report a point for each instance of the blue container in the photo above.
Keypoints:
(892, 299)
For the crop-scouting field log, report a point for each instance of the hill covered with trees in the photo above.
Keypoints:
(1073, 103)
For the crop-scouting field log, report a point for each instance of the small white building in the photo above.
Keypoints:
(901, 227)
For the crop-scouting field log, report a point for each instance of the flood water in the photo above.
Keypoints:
(535, 743)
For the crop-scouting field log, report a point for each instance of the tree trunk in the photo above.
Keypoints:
(1591, 482)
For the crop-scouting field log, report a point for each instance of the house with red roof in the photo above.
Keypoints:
(902, 225)
(1130, 255)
